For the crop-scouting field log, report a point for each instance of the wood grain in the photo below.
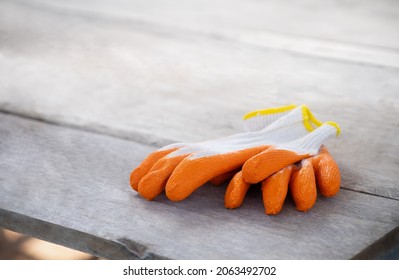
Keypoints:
(71, 187)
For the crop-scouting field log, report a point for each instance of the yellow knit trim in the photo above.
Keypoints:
(335, 125)
(269, 111)
(309, 120)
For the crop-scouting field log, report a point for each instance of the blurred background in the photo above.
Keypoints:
(16, 246)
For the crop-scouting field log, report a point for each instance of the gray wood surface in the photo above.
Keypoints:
(71, 187)
(156, 72)
(102, 70)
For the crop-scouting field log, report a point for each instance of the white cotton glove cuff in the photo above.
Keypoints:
(291, 124)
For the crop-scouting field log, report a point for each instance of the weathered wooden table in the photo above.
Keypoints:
(88, 89)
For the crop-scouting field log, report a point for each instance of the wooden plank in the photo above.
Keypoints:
(57, 180)
(363, 31)
(155, 85)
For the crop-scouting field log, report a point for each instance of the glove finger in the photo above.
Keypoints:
(328, 177)
(274, 190)
(236, 191)
(146, 165)
(263, 165)
(221, 179)
(153, 183)
(193, 172)
(303, 186)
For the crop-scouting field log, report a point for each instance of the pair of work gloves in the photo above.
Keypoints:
(282, 149)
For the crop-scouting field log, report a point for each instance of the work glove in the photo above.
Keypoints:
(182, 168)
(301, 166)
